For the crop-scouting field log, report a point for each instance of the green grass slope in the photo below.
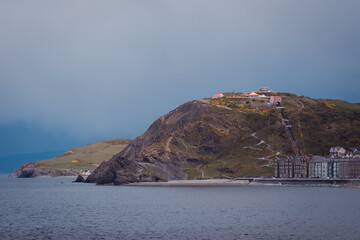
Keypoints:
(86, 157)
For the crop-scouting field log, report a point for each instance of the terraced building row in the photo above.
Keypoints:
(341, 164)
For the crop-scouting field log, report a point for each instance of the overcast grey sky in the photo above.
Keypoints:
(76, 71)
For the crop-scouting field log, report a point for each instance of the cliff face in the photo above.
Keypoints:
(198, 140)
(33, 169)
(231, 137)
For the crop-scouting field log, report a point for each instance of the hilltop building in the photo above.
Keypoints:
(265, 89)
(218, 95)
(275, 100)
(253, 94)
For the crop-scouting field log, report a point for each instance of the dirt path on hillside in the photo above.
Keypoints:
(167, 149)
(259, 143)
(198, 168)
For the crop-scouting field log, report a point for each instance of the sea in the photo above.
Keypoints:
(57, 208)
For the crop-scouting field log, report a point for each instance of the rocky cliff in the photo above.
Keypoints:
(231, 137)
(33, 169)
(199, 139)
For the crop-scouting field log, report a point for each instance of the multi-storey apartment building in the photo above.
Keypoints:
(319, 167)
(336, 166)
(291, 167)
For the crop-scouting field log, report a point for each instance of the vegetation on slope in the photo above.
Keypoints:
(222, 138)
(319, 124)
(231, 137)
(86, 157)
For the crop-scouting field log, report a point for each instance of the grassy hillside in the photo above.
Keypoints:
(317, 125)
(85, 157)
(252, 136)
(231, 137)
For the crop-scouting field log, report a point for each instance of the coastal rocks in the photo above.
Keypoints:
(79, 179)
(30, 170)
(26, 173)
(116, 171)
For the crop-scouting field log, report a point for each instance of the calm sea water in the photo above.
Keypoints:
(56, 208)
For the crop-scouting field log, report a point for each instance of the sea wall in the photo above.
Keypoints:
(307, 182)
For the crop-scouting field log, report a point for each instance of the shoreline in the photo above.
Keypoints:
(300, 182)
(202, 182)
(254, 182)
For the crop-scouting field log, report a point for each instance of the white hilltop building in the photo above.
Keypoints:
(265, 89)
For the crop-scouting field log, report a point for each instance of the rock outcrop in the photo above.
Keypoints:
(149, 157)
(30, 170)
(79, 179)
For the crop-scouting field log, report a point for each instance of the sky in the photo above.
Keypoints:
(77, 71)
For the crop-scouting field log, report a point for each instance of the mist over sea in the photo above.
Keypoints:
(56, 208)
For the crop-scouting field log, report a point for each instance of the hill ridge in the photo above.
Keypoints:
(206, 138)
